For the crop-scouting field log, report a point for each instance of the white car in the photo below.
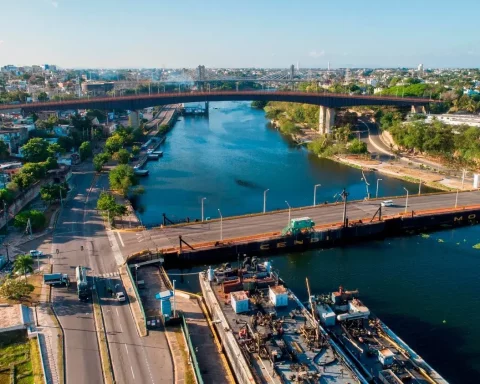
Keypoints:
(120, 296)
(387, 203)
(35, 253)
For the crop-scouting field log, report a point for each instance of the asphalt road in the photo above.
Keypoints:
(81, 346)
(134, 359)
(246, 226)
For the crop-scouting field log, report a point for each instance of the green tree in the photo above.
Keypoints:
(6, 196)
(122, 156)
(23, 264)
(55, 149)
(50, 193)
(114, 143)
(42, 96)
(100, 160)
(4, 152)
(85, 150)
(108, 205)
(14, 289)
(66, 143)
(357, 147)
(122, 178)
(37, 219)
(259, 104)
(23, 180)
(36, 150)
(135, 150)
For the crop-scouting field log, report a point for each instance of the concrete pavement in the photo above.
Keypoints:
(167, 237)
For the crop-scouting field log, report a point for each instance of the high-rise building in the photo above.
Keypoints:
(328, 66)
(420, 69)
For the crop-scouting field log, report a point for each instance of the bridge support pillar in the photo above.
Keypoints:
(419, 109)
(133, 119)
(326, 119)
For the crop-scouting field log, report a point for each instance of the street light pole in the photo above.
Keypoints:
(315, 194)
(221, 225)
(420, 187)
(344, 195)
(463, 176)
(456, 199)
(376, 194)
(203, 198)
(406, 202)
(265, 200)
(289, 211)
(366, 184)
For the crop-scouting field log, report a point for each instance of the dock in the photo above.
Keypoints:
(271, 337)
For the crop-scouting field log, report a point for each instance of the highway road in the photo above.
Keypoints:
(135, 359)
(131, 242)
(79, 224)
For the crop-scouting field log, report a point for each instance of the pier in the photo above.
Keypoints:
(218, 239)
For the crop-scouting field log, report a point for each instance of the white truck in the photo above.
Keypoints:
(56, 279)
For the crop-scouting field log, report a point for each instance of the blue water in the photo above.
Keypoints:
(427, 290)
(231, 157)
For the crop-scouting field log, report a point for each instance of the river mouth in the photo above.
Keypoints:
(231, 157)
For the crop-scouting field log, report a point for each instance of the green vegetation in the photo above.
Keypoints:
(122, 156)
(16, 355)
(109, 207)
(259, 104)
(36, 150)
(338, 142)
(122, 178)
(135, 150)
(51, 193)
(100, 160)
(292, 113)
(33, 172)
(4, 152)
(37, 219)
(459, 145)
(23, 264)
(85, 150)
(14, 289)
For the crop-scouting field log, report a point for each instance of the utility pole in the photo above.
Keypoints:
(344, 195)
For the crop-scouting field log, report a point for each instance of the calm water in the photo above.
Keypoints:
(425, 289)
(231, 158)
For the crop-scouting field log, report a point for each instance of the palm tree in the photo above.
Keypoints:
(24, 265)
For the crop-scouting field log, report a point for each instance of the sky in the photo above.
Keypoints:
(241, 33)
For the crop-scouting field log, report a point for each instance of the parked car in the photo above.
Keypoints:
(387, 203)
(35, 253)
(120, 296)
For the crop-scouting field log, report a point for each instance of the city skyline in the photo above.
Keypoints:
(123, 34)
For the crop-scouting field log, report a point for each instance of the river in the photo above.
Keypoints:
(232, 157)
(426, 288)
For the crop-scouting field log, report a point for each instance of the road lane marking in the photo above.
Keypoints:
(116, 309)
(120, 238)
(115, 248)
(126, 348)
(121, 329)
(132, 373)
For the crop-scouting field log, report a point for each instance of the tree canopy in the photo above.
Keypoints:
(122, 178)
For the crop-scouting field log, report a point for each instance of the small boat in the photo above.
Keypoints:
(153, 156)
(140, 172)
(159, 153)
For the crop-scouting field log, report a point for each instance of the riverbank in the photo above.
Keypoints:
(400, 168)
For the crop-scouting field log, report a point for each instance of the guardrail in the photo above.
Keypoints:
(41, 357)
(193, 355)
(137, 295)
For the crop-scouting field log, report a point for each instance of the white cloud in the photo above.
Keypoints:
(471, 53)
(1, 42)
(316, 54)
(55, 4)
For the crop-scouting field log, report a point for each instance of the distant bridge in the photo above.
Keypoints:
(326, 101)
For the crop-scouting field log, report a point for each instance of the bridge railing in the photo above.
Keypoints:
(179, 95)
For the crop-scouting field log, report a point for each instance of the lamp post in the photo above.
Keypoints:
(406, 202)
(265, 200)
(464, 171)
(289, 211)
(366, 184)
(420, 187)
(221, 225)
(344, 196)
(315, 194)
(203, 198)
(376, 194)
(456, 199)
(136, 274)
